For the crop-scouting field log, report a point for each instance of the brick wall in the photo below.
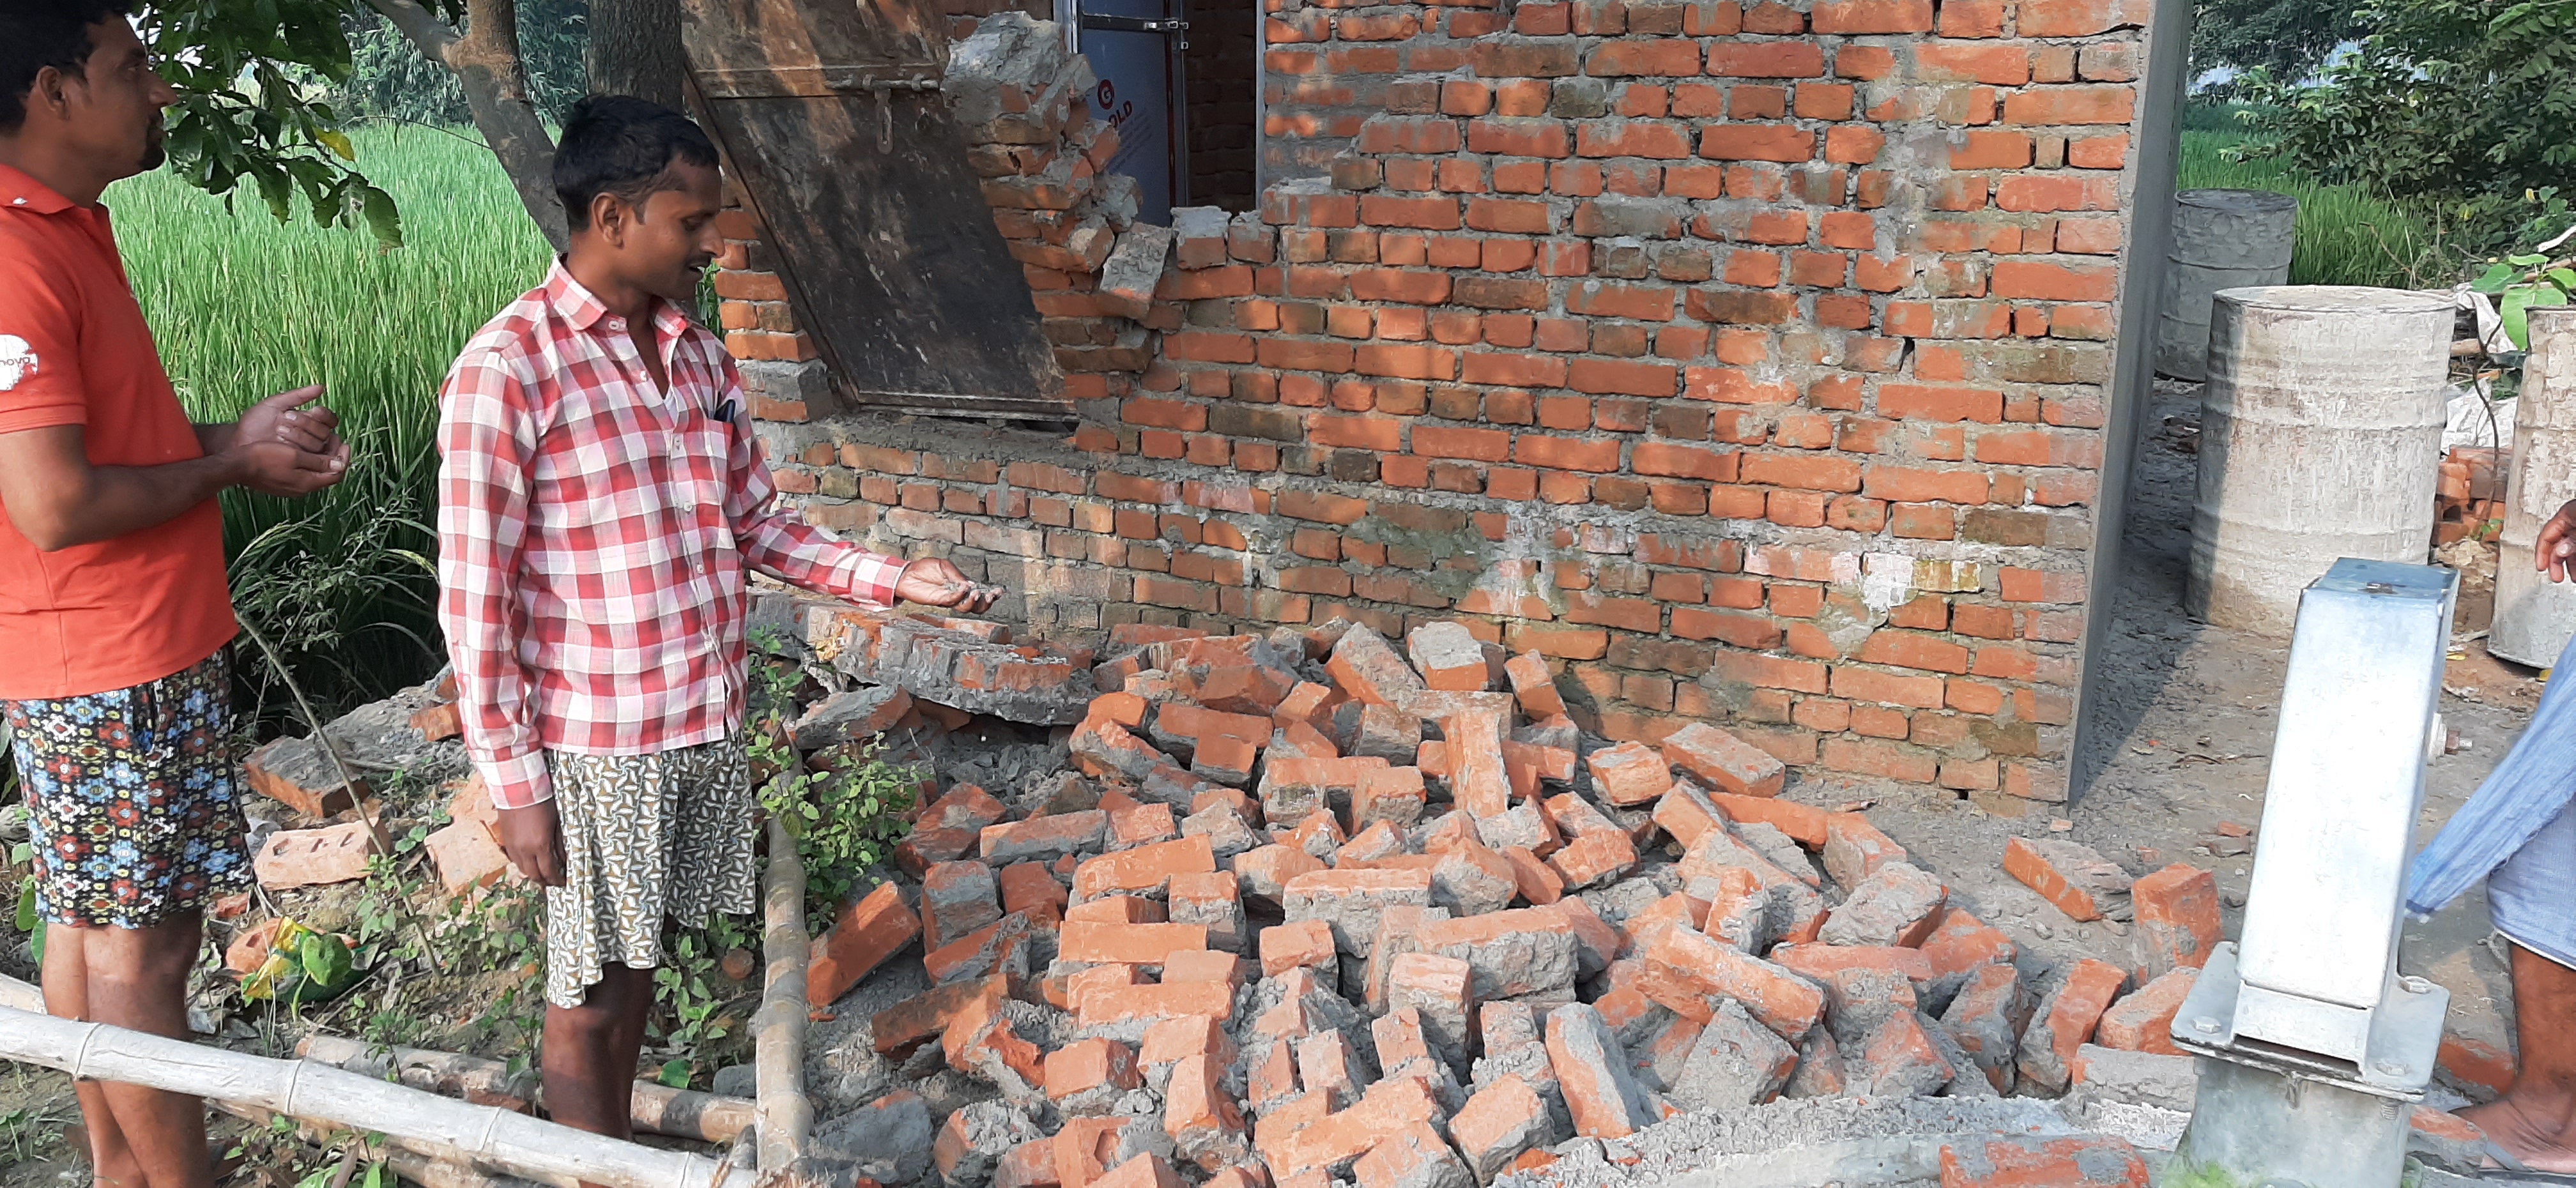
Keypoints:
(1750, 363)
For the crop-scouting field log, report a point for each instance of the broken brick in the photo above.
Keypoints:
(1266, 872)
(1302, 704)
(1733, 1061)
(1534, 685)
(1147, 869)
(1414, 1157)
(1498, 1123)
(1367, 668)
(1822, 961)
(1306, 943)
(315, 857)
(1392, 794)
(1437, 990)
(2177, 920)
(1127, 944)
(1046, 838)
(1327, 1064)
(466, 856)
(1470, 880)
(2477, 1062)
(2063, 1022)
(1522, 951)
(1900, 1058)
(1961, 942)
(1087, 1075)
(1677, 910)
(1117, 909)
(2143, 1021)
(1805, 824)
(1212, 900)
(1351, 901)
(1205, 1124)
(1136, 1007)
(976, 1139)
(957, 898)
(900, 1029)
(1899, 905)
(2073, 877)
(1203, 965)
(999, 947)
(438, 723)
(1854, 849)
(1690, 973)
(1592, 1072)
(846, 717)
(1986, 1018)
(1027, 887)
(298, 773)
(1629, 774)
(1539, 882)
(1448, 657)
(1728, 763)
(2032, 1161)
(1687, 813)
(1143, 1171)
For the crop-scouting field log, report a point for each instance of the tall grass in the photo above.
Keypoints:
(2347, 235)
(244, 307)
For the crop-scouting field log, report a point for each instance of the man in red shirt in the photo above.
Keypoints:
(601, 502)
(113, 608)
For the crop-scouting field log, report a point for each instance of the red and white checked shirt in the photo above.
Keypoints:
(593, 536)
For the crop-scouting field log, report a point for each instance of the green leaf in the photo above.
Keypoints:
(382, 218)
(27, 920)
(2526, 261)
(2514, 309)
(326, 960)
(675, 1074)
(2495, 279)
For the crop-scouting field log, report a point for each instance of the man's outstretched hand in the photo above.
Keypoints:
(2555, 551)
(932, 582)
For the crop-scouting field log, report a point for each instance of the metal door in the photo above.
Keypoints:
(1135, 49)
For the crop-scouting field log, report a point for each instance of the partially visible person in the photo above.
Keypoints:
(602, 501)
(2518, 834)
(114, 614)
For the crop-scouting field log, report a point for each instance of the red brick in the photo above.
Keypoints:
(866, 933)
(2065, 874)
(2477, 1062)
(2036, 1162)
(1090, 1064)
(1630, 773)
(1204, 1122)
(2143, 1022)
(2177, 919)
(2065, 1021)
(1306, 943)
(1821, 961)
(901, 1029)
(1687, 971)
(1766, 59)
(1146, 868)
(1143, 1171)
(1806, 824)
(1962, 942)
(1724, 760)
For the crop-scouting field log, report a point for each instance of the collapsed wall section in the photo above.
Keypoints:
(1751, 362)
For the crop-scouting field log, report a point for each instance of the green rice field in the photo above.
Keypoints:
(244, 306)
(2347, 235)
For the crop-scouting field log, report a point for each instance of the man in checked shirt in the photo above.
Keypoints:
(601, 498)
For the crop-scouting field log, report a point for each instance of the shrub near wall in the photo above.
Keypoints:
(1750, 363)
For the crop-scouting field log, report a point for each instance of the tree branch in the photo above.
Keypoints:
(419, 26)
(487, 65)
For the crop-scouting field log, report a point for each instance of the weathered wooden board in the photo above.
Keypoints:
(883, 237)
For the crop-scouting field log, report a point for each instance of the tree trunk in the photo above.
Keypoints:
(486, 62)
(635, 50)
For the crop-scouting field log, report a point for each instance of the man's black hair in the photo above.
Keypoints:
(618, 144)
(35, 34)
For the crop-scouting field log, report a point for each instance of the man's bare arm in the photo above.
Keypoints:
(56, 499)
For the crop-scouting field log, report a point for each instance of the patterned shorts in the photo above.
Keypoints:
(132, 797)
(645, 837)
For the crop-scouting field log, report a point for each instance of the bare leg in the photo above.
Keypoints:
(591, 1050)
(135, 979)
(2536, 1118)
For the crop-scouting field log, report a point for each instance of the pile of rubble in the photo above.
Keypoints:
(1320, 906)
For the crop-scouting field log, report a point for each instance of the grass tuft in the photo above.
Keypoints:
(244, 306)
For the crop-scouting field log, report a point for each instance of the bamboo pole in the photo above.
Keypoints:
(21, 996)
(302, 1089)
(655, 1108)
(323, 1134)
(778, 1030)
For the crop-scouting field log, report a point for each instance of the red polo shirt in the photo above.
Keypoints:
(74, 351)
